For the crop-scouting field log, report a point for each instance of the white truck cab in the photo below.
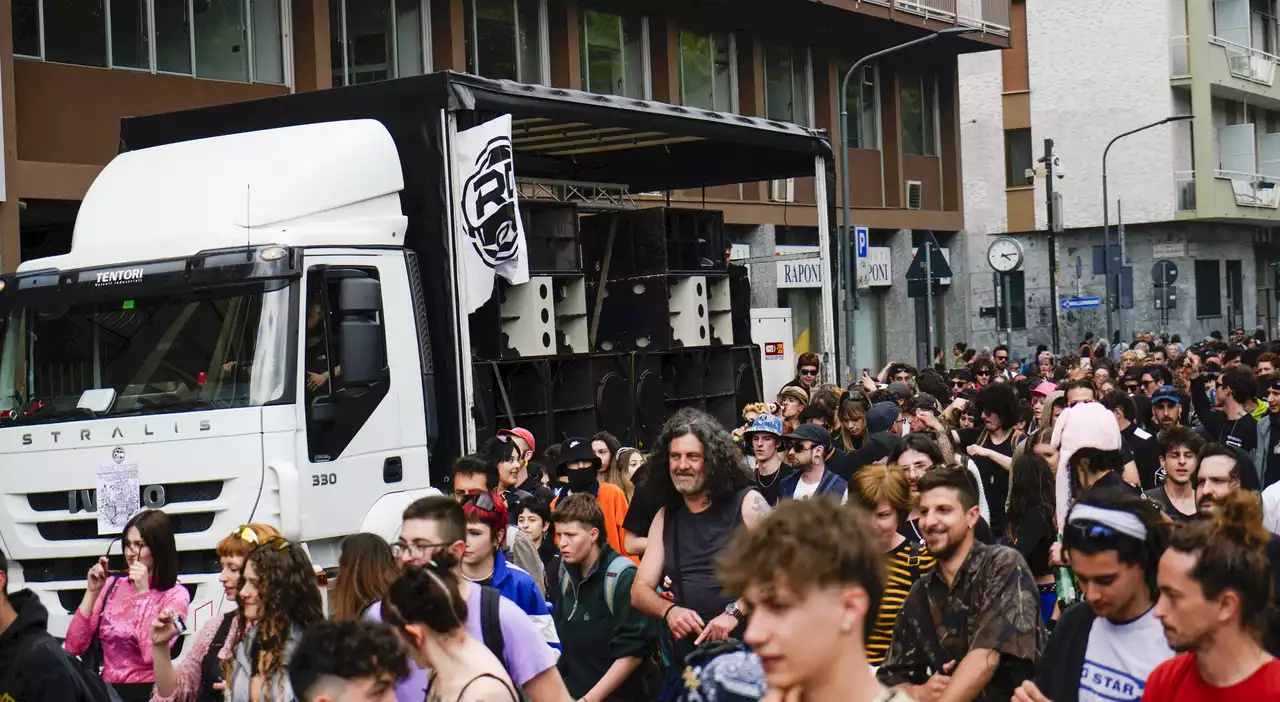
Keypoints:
(258, 334)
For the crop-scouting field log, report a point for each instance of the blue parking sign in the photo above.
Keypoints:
(860, 236)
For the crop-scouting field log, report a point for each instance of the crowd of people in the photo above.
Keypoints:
(1099, 526)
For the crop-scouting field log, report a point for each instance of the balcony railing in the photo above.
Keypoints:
(1184, 184)
(1247, 62)
(1251, 189)
(1180, 57)
(988, 15)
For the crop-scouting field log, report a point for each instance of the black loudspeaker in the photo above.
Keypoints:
(648, 394)
(551, 237)
(748, 383)
(527, 398)
(654, 241)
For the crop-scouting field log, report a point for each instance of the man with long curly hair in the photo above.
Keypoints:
(706, 496)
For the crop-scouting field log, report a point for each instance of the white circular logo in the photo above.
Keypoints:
(117, 454)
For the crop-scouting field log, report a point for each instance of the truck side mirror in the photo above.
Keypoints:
(363, 349)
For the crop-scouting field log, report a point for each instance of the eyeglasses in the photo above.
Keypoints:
(1002, 358)
(982, 374)
(244, 533)
(135, 546)
(808, 371)
(959, 383)
(415, 550)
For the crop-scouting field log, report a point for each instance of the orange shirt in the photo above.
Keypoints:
(613, 502)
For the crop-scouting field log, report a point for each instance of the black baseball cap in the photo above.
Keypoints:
(810, 432)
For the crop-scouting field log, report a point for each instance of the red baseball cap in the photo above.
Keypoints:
(520, 433)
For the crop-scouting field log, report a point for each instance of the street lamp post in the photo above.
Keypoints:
(1106, 214)
(850, 268)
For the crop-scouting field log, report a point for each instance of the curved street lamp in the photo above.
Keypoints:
(850, 267)
(1106, 214)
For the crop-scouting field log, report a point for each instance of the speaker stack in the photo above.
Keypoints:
(656, 285)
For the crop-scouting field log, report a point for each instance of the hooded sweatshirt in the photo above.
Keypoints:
(33, 666)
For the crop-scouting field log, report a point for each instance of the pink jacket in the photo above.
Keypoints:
(126, 629)
(189, 670)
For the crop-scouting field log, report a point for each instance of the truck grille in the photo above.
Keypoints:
(44, 570)
(173, 492)
(88, 528)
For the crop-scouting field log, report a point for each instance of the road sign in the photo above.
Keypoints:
(860, 236)
(1079, 303)
(1164, 272)
(941, 269)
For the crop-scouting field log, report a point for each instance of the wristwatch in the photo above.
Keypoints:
(732, 608)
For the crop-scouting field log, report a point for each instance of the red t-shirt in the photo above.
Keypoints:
(1178, 680)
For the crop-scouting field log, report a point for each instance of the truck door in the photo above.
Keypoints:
(359, 397)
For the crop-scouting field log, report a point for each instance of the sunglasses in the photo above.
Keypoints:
(958, 383)
(797, 446)
(808, 371)
(482, 500)
(1078, 533)
(1002, 358)
(278, 543)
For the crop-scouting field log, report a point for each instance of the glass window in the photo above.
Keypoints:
(1208, 289)
(707, 71)
(26, 27)
(918, 115)
(383, 40)
(173, 38)
(237, 40)
(1017, 157)
(863, 105)
(188, 350)
(221, 43)
(504, 39)
(75, 31)
(268, 46)
(615, 54)
(786, 85)
(129, 34)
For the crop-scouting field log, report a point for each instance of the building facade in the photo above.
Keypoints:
(1198, 192)
(70, 70)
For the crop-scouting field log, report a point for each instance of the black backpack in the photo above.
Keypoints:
(491, 623)
(91, 688)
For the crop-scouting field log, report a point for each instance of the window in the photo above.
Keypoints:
(615, 54)
(1017, 157)
(74, 32)
(1017, 300)
(377, 40)
(919, 114)
(507, 39)
(26, 28)
(708, 78)
(338, 404)
(1208, 289)
(787, 85)
(130, 34)
(237, 40)
(863, 105)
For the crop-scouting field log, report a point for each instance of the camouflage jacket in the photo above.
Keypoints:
(993, 604)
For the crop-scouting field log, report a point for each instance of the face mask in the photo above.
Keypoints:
(581, 480)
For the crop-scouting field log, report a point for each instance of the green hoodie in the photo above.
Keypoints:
(593, 638)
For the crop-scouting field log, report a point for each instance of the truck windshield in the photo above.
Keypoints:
(220, 348)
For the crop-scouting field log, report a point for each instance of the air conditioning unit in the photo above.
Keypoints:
(915, 194)
(782, 190)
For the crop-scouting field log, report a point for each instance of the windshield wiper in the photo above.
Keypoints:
(42, 411)
(162, 407)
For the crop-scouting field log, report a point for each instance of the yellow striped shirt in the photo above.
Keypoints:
(906, 564)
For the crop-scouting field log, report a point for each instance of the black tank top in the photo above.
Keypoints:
(210, 666)
(692, 542)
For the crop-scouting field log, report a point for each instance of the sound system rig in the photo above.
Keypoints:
(628, 316)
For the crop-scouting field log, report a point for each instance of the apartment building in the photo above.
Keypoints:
(70, 69)
(1198, 192)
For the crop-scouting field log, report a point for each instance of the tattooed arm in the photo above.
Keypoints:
(975, 671)
(754, 509)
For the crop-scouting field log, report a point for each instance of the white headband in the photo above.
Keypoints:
(1123, 522)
